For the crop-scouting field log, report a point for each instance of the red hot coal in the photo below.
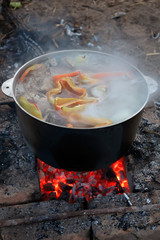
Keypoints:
(57, 183)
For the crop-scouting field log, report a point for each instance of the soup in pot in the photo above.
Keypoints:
(81, 89)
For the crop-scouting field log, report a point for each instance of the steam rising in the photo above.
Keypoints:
(120, 96)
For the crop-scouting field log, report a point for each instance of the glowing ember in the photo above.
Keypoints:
(57, 183)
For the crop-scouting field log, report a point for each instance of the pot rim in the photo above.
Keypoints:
(35, 60)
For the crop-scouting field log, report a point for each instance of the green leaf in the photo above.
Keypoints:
(15, 4)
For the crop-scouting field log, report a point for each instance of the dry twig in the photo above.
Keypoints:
(65, 215)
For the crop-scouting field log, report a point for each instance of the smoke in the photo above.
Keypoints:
(66, 32)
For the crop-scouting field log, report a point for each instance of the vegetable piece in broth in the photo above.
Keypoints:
(30, 107)
(34, 67)
(83, 78)
(65, 83)
(72, 102)
(89, 121)
(72, 74)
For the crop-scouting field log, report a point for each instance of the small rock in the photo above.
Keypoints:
(111, 3)
(148, 200)
(118, 14)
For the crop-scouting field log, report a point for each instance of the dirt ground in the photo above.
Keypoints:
(127, 28)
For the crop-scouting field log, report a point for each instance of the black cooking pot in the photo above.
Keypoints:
(76, 148)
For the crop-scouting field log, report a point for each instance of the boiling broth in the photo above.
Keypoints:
(114, 96)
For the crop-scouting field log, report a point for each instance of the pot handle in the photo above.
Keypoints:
(152, 84)
(8, 93)
(7, 87)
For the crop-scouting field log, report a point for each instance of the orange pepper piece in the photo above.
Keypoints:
(69, 125)
(70, 86)
(91, 121)
(86, 79)
(34, 67)
(69, 110)
(59, 103)
(65, 83)
(73, 74)
(110, 74)
(54, 91)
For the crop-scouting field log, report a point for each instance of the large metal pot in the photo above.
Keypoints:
(73, 148)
